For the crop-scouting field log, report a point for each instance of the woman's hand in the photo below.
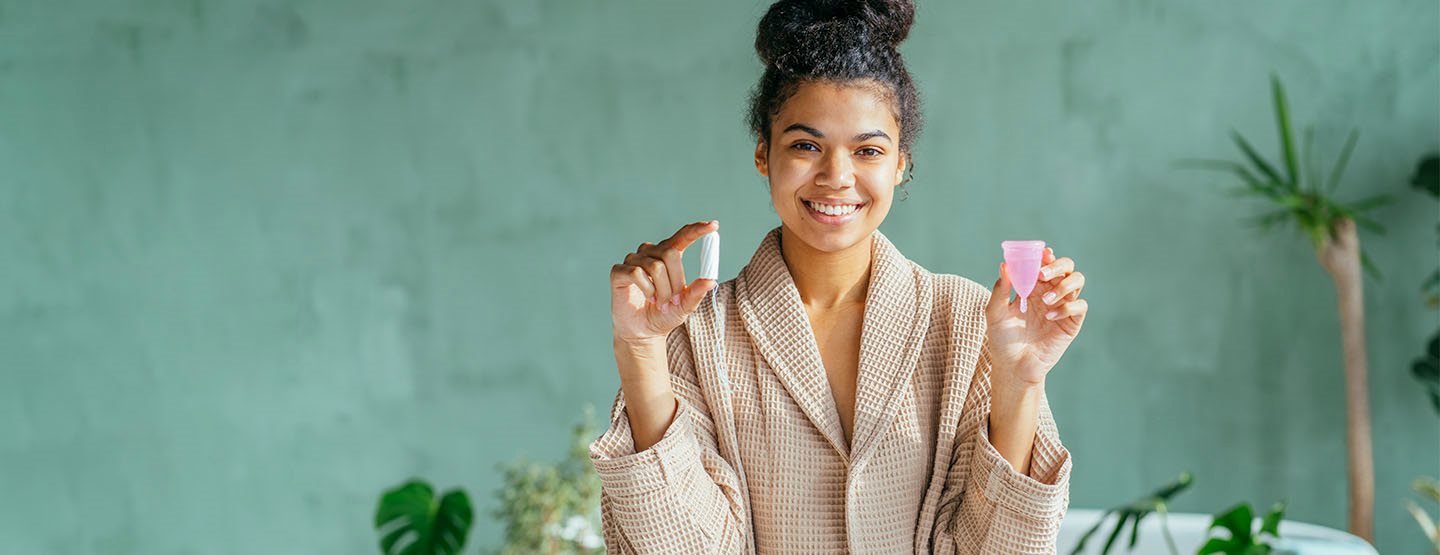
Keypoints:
(1025, 346)
(648, 295)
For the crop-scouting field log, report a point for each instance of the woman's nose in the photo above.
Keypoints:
(836, 170)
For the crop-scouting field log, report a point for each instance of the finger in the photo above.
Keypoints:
(689, 233)
(692, 296)
(625, 275)
(1068, 285)
(1058, 268)
(1074, 308)
(999, 294)
(639, 260)
(661, 278)
(675, 268)
(1048, 256)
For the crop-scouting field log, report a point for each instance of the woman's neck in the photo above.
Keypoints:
(827, 280)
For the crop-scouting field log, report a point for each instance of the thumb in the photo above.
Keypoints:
(695, 293)
(1000, 293)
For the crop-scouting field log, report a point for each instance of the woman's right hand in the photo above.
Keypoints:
(648, 295)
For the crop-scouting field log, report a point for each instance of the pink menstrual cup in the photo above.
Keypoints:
(1022, 263)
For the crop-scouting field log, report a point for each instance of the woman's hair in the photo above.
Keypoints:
(848, 42)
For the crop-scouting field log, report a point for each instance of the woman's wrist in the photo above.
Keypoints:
(1014, 417)
(645, 381)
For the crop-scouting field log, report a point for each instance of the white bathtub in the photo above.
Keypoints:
(1190, 532)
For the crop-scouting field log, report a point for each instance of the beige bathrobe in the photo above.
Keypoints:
(758, 462)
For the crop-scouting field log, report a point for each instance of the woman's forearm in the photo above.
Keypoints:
(1014, 418)
(645, 380)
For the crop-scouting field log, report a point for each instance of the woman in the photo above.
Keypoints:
(866, 404)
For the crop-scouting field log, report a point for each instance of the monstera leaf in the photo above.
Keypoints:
(1242, 540)
(411, 522)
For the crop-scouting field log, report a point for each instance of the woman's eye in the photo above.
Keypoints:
(801, 146)
(874, 151)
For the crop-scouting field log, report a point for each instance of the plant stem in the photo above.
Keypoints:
(1165, 527)
(1351, 299)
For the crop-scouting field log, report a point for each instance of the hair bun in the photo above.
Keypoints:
(791, 27)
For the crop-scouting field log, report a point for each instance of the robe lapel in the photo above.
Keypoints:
(894, 324)
(897, 315)
(779, 327)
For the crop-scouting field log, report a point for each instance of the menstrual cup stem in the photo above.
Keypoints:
(1022, 305)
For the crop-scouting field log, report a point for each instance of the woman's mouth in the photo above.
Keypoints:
(833, 214)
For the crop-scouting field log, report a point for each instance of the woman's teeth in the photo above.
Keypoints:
(833, 210)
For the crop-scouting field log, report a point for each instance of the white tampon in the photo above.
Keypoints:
(710, 269)
(710, 255)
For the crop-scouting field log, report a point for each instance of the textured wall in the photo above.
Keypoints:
(264, 259)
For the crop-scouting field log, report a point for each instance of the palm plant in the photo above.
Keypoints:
(1135, 511)
(1300, 195)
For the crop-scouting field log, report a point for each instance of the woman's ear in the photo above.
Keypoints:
(762, 158)
(900, 171)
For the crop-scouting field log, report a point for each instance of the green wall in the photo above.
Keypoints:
(264, 259)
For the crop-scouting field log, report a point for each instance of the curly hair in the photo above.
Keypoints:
(849, 42)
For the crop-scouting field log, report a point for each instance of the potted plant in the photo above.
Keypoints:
(1299, 194)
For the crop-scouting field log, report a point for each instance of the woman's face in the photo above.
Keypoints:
(838, 146)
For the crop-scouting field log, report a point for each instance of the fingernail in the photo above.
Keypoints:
(652, 299)
(1051, 315)
(665, 307)
(1049, 298)
(1045, 273)
(675, 300)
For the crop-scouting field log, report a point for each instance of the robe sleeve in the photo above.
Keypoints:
(680, 495)
(998, 509)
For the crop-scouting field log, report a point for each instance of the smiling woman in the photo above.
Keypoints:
(865, 404)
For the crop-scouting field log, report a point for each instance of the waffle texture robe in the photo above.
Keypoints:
(756, 460)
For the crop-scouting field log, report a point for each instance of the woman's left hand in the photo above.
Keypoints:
(1025, 346)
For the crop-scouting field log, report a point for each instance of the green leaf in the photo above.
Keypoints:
(409, 512)
(1282, 121)
(1344, 160)
(1425, 371)
(1247, 191)
(1370, 266)
(1119, 526)
(1237, 521)
(1080, 545)
(1135, 529)
(1133, 512)
(1181, 483)
(1429, 487)
(1292, 200)
(1370, 203)
(1271, 524)
(1235, 168)
(1367, 224)
(1216, 545)
(1270, 219)
(1427, 175)
(1307, 159)
(1431, 281)
(1259, 161)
